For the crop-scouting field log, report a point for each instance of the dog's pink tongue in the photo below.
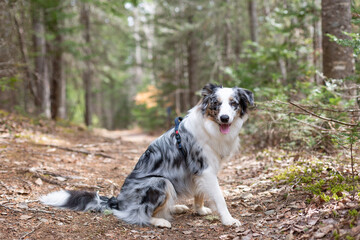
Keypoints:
(224, 128)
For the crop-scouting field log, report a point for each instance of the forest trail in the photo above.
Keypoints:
(40, 157)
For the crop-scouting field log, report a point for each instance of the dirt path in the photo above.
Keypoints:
(38, 160)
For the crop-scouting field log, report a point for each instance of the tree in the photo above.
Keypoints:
(40, 62)
(192, 61)
(54, 18)
(87, 73)
(253, 20)
(338, 60)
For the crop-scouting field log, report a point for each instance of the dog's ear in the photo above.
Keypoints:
(249, 96)
(246, 98)
(209, 89)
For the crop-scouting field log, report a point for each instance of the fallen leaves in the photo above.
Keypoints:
(321, 232)
(212, 218)
(25, 217)
(39, 182)
(267, 209)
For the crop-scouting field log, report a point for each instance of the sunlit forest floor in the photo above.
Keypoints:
(38, 157)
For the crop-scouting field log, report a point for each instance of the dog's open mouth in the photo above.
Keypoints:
(225, 128)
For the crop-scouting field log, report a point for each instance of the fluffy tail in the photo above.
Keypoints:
(79, 200)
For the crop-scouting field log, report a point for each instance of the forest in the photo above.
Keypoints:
(80, 78)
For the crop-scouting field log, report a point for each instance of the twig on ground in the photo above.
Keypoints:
(83, 185)
(26, 209)
(27, 234)
(4, 185)
(324, 118)
(76, 150)
(45, 179)
(40, 153)
(27, 183)
(39, 174)
(46, 172)
(10, 208)
(38, 210)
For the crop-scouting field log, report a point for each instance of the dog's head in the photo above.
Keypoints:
(224, 105)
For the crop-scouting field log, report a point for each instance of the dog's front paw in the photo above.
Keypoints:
(160, 222)
(203, 211)
(231, 222)
(180, 209)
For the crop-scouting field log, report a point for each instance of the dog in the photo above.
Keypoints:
(209, 136)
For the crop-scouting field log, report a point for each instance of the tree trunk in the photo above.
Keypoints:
(41, 67)
(28, 82)
(337, 60)
(227, 39)
(253, 20)
(58, 83)
(85, 20)
(192, 64)
(238, 36)
(177, 82)
(317, 43)
(138, 57)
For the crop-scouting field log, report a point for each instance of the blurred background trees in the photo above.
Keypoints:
(114, 64)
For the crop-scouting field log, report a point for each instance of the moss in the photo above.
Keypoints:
(320, 179)
(3, 113)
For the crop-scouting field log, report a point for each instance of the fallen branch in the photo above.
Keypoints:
(39, 174)
(26, 209)
(27, 234)
(39, 210)
(45, 179)
(40, 153)
(83, 185)
(10, 208)
(45, 172)
(324, 118)
(4, 185)
(76, 150)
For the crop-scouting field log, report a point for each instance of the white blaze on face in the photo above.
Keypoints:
(224, 95)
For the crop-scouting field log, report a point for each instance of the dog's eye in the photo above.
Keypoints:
(234, 104)
(215, 102)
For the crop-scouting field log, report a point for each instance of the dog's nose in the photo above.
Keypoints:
(224, 118)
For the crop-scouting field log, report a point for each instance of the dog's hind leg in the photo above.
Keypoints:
(164, 210)
(199, 205)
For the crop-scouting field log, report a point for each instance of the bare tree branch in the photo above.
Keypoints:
(323, 118)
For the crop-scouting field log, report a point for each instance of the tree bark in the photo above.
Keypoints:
(41, 66)
(337, 60)
(87, 81)
(138, 52)
(317, 43)
(253, 20)
(58, 83)
(28, 82)
(192, 64)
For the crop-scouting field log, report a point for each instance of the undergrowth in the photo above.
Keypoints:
(321, 179)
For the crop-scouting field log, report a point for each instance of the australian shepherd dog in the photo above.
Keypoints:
(164, 173)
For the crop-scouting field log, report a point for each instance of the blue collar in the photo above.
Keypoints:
(177, 135)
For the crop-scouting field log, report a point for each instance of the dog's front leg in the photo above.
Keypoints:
(209, 183)
(199, 205)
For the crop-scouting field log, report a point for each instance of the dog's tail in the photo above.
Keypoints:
(79, 200)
